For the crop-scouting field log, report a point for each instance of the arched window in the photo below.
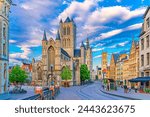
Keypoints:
(64, 42)
(69, 43)
(4, 31)
(65, 31)
(5, 10)
(5, 71)
(51, 57)
(68, 30)
(4, 49)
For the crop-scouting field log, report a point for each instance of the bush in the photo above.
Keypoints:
(84, 73)
(146, 90)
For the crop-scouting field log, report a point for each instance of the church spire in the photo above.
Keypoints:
(61, 21)
(44, 36)
(58, 35)
(87, 43)
(82, 44)
(67, 20)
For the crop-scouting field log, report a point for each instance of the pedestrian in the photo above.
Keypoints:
(136, 88)
(107, 87)
(125, 88)
(129, 89)
(103, 86)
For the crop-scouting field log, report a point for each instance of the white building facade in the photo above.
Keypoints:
(4, 44)
(145, 46)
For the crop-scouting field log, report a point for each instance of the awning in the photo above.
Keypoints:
(140, 79)
(111, 80)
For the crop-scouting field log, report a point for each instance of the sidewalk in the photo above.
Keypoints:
(7, 96)
(131, 95)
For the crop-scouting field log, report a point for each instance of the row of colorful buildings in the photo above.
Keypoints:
(133, 68)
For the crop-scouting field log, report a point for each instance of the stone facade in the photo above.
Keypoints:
(99, 72)
(104, 64)
(108, 72)
(131, 65)
(113, 62)
(27, 67)
(4, 44)
(119, 68)
(144, 49)
(62, 52)
(125, 70)
(144, 56)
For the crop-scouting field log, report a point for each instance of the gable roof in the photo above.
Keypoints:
(116, 57)
(67, 20)
(82, 44)
(148, 8)
(58, 35)
(44, 36)
(136, 44)
(65, 53)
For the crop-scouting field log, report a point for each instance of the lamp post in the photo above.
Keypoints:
(51, 74)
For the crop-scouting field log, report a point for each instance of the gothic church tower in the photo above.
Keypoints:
(68, 35)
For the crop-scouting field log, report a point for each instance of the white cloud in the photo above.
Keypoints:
(99, 56)
(113, 46)
(123, 43)
(81, 9)
(118, 0)
(12, 41)
(97, 49)
(114, 13)
(116, 32)
(14, 62)
(135, 26)
(99, 44)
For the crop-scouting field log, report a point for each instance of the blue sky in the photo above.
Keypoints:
(109, 25)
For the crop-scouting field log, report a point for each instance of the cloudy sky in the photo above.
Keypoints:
(109, 25)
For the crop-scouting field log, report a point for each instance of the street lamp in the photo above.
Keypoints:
(51, 74)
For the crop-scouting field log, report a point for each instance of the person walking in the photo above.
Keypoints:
(129, 88)
(136, 88)
(125, 88)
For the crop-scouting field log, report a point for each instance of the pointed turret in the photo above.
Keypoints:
(33, 60)
(67, 20)
(44, 36)
(72, 20)
(58, 35)
(61, 21)
(82, 44)
(87, 43)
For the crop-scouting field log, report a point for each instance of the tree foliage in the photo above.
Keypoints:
(66, 73)
(84, 73)
(17, 75)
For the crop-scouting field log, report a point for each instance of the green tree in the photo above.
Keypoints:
(84, 73)
(66, 74)
(17, 75)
